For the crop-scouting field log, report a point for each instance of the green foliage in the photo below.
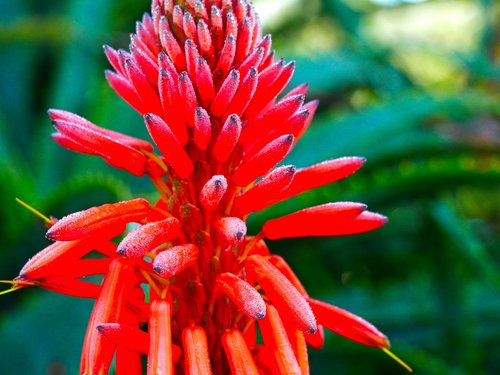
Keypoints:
(429, 279)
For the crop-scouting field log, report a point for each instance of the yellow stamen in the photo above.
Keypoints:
(397, 359)
(250, 244)
(35, 211)
(15, 285)
(156, 159)
(151, 282)
(248, 325)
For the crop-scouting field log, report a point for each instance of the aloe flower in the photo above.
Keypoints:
(210, 91)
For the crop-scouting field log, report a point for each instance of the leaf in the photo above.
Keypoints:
(339, 71)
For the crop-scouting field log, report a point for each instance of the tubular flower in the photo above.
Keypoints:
(210, 91)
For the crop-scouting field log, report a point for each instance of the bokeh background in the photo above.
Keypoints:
(411, 85)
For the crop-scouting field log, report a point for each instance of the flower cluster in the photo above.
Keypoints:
(214, 298)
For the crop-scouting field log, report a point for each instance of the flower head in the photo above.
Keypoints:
(209, 89)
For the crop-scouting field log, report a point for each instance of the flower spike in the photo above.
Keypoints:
(187, 286)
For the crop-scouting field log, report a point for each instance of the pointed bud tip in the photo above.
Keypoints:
(260, 315)
(233, 119)
(312, 330)
(122, 250)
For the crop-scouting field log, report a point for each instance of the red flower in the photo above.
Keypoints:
(207, 84)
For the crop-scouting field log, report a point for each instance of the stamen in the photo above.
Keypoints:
(15, 285)
(397, 359)
(35, 211)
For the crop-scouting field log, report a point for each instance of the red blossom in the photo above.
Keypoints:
(210, 90)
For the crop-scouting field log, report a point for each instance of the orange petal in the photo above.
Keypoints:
(68, 286)
(265, 192)
(160, 360)
(348, 325)
(130, 337)
(204, 81)
(231, 229)
(119, 150)
(272, 80)
(263, 161)
(92, 220)
(117, 284)
(195, 343)
(54, 257)
(169, 145)
(287, 299)
(212, 192)
(238, 355)
(322, 173)
(276, 339)
(149, 236)
(267, 121)
(328, 219)
(242, 294)
(299, 346)
(202, 128)
(174, 260)
(226, 93)
(317, 339)
(227, 139)
(245, 91)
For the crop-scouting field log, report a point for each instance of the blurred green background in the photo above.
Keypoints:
(412, 85)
